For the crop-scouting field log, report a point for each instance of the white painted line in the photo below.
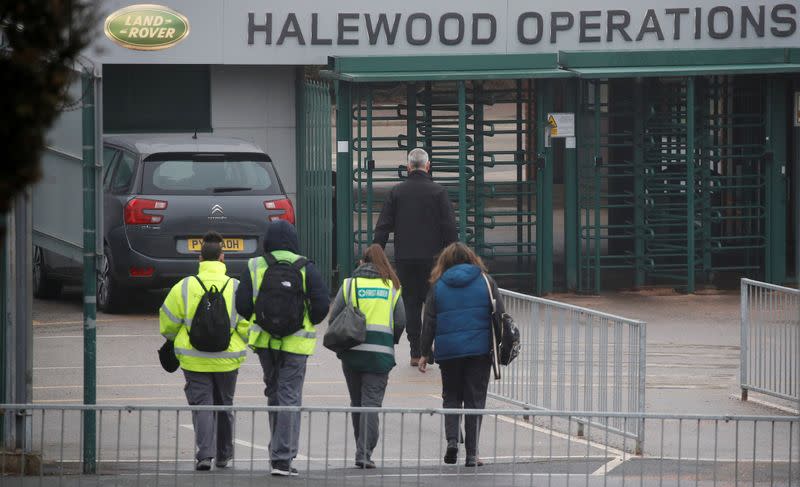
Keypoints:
(768, 404)
(608, 467)
(247, 444)
(580, 441)
(556, 434)
(61, 337)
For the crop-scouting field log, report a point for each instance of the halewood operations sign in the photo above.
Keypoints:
(307, 31)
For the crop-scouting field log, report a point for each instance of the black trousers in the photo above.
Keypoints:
(414, 275)
(464, 384)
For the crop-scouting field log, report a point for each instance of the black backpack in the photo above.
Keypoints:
(211, 325)
(280, 304)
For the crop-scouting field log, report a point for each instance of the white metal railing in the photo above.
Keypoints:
(770, 340)
(154, 445)
(575, 359)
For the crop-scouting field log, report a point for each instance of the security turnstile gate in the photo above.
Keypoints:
(672, 181)
(481, 139)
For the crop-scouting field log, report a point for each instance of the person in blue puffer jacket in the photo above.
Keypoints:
(457, 325)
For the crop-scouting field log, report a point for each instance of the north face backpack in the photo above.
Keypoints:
(280, 304)
(211, 325)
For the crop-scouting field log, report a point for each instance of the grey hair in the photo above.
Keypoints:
(417, 158)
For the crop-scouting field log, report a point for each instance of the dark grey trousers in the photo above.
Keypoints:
(213, 432)
(464, 384)
(366, 390)
(284, 374)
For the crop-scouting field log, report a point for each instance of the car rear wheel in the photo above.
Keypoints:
(44, 286)
(110, 293)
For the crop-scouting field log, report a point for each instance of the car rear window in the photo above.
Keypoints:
(209, 174)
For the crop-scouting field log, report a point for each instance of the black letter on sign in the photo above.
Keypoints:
(291, 23)
(698, 23)
(316, 41)
(523, 39)
(373, 32)
(252, 28)
(443, 24)
(648, 29)
(712, 26)
(612, 25)
(585, 25)
(410, 29)
(778, 19)
(749, 19)
(677, 12)
(555, 27)
(480, 41)
(347, 28)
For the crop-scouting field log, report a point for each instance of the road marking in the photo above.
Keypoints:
(60, 337)
(608, 467)
(768, 404)
(556, 434)
(247, 444)
(181, 384)
(104, 320)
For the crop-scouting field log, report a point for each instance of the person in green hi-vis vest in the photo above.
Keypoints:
(376, 290)
(283, 359)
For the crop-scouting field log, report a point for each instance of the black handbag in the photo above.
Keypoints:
(505, 335)
(166, 355)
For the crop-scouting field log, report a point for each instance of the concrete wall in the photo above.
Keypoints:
(256, 103)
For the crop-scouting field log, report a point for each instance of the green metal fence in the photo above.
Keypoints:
(314, 174)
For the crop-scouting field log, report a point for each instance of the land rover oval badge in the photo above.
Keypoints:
(146, 27)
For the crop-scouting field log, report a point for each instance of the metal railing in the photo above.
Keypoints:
(576, 359)
(154, 445)
(770, 340)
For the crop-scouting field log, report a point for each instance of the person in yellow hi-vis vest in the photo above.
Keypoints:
(282, 291)
(195, 319)
(374, 289)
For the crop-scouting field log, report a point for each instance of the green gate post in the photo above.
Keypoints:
(638, 181)
(571, 101)
(89, 274)
(690, 182)
(411, 116)
(544, 191)
(344, 180)
(301, 154)
(598, 187)
(369, 166)
(462, 161)
(776, 197)
(478, 193)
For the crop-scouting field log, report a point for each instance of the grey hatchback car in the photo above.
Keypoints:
(161, 194)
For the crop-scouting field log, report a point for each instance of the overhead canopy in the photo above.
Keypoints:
(443, 68)
(701, 62)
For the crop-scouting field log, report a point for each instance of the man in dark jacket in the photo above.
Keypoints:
(283, 359)
(421, 217)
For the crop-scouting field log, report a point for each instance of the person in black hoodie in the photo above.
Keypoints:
(419, 213)
(283, 360)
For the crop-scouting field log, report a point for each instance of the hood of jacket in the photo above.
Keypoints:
(461, 275)
(281, 235)
(366, 270)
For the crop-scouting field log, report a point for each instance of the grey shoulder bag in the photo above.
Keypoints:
(349, 328)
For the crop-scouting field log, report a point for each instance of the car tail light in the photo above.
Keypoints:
(140, 271)
(286, 208)
(136, 208)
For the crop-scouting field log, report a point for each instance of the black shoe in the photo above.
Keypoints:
(451, 455)
(473, 462)
(223, 462)
(203, 464)
(283, 468)
(369, 464)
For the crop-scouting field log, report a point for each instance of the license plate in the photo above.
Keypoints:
(228, 244)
